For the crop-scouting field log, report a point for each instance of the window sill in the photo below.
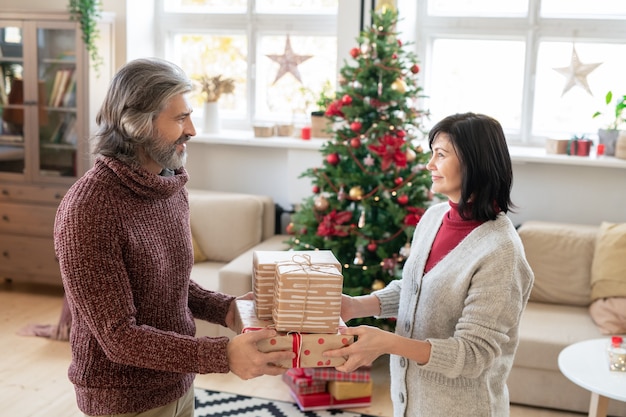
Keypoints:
(519, 154)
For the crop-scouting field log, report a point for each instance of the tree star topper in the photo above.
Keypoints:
(576, 73)
(288, 62)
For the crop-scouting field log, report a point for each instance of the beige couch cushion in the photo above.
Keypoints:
(560, 256)
(225, 224)
(608, 271)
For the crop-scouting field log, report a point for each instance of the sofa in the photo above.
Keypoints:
(557, 315)
(226, 229)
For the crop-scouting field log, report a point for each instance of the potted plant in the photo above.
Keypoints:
(608, 135)
(212, 87)
(319, 122)
(87, 13)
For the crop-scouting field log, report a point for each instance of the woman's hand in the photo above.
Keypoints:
(371, 343)
(230, 315)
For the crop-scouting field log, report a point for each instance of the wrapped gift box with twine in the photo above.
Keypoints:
(307, 296)
(264, 274)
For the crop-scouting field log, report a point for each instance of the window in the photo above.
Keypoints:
(499, 58)
(280, 53)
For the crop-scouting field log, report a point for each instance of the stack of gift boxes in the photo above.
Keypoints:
(299, 294)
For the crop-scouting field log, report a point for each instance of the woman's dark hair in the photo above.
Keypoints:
(485, 164)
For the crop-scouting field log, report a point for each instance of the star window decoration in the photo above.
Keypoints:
(288, 62)
(576, 73)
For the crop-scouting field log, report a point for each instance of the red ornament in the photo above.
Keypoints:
(372, 246)
(403, 199)
(332, 159)
(394, 56)
(346, 100)
(355, 143)
(399, 42)
(355, 126)
(354, 52)
(289, 229)
(398, 180)
(316, 189)
(415, 69)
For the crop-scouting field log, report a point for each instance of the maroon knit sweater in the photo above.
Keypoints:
(123, 240)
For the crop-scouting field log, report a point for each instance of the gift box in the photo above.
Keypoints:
(307, 297)
(264, 271)
(325, 401)
(362, 374)
(346, 390)
(556, 146)
(301, 384)
(307, 347)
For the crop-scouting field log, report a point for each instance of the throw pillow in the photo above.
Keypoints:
(609, 314)
(608, 269)
(198, 255)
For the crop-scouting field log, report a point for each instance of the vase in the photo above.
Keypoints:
(608, 137)
(211, 117)
(620, 145)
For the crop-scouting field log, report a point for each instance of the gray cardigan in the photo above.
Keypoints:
(468, 307)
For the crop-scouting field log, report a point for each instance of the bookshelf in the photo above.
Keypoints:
(49, 97)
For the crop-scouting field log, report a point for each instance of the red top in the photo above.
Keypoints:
(452, 231)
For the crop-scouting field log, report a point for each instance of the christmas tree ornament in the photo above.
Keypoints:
(410, 155)
(398, 180)
(361, 222)
(346, 100)
(341, 194)
(316, 189)
(289, 228)
(321, 203)
(378, 284)
(355, 52)
(332, 159)
(369, 161)
(355, 126)
(372, 246)
(403, 200)
(288, 62)
(576, 73)
(358, 258)
(399, 85)
(356, 192)
(355, 143)
(415, 68)
(405, 251)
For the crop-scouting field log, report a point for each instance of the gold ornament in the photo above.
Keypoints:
(321, 203)
(356, 192)
(378, 285)
(399, 85)
(410, 155)
(384, 5)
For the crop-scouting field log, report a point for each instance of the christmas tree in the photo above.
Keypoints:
(373, 185)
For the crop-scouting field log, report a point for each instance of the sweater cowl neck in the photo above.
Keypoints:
(143, 182)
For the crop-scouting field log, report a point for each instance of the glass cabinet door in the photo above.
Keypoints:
(12, 150)
(56, 113)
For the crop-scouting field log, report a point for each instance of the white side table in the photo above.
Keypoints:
(586, 364)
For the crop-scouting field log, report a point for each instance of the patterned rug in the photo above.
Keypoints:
(222, 404)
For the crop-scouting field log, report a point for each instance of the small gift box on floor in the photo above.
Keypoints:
(264, 271)
(301, 384)
(363, 374)
(346, 390)
(307, 347)
(307, 296)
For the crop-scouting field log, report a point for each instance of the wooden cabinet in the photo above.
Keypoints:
(49, 96)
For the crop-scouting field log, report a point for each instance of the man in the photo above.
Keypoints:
(123, 240)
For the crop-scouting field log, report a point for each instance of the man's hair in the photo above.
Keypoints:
(486, 167)
(137, 94)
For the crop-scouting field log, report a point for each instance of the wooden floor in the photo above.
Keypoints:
(33, 371)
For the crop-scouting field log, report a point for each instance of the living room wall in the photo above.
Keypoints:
(542, 190)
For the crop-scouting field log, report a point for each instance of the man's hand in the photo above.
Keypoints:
(246, 361)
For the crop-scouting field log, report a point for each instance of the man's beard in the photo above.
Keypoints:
(165, 154)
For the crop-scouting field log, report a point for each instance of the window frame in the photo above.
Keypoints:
(424, 29)
(253, 25)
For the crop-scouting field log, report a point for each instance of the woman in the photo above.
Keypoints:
(464, 285)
